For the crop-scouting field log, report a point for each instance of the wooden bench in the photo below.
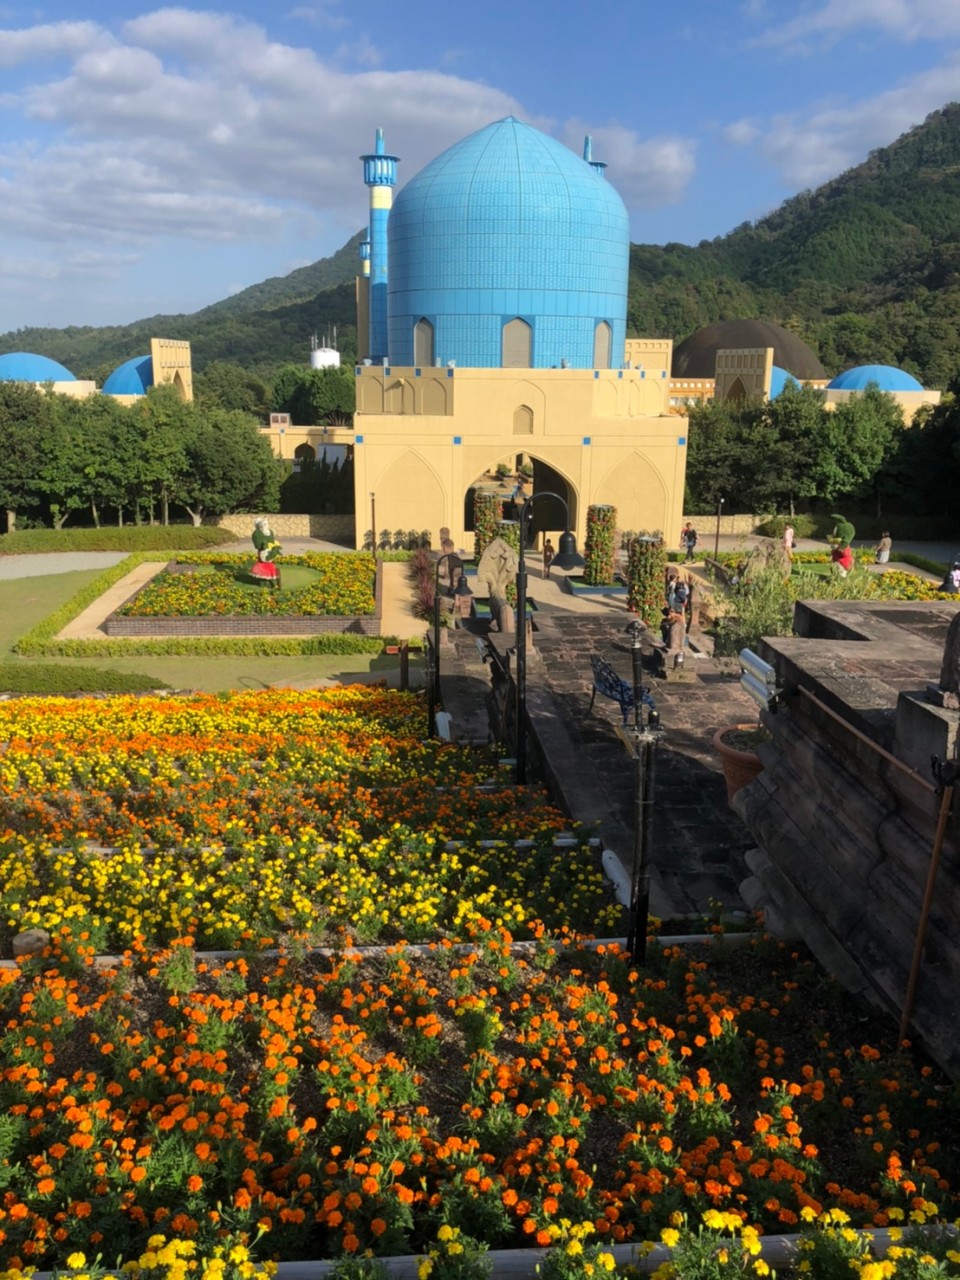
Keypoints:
(608, 683)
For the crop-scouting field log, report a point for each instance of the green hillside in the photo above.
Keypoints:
(866, 269)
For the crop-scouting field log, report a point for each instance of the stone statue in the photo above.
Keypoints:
(769, 553)
(496, 570)
(947, 693)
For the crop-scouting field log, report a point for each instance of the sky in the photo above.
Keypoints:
(156, 160)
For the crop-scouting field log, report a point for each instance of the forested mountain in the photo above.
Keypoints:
(866, 269)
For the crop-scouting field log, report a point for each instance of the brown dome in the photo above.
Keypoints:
(696, 356)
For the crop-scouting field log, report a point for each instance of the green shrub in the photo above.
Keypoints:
(133, 538)
(48, 678)
(600, 551)
(804, 526)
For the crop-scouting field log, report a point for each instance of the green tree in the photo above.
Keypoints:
(26, 422)
(222, 385)
(161, 425)
(794, 424)
(227, 466)
(857, 439)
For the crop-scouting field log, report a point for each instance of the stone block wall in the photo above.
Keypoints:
(338, 529)
(845, 813)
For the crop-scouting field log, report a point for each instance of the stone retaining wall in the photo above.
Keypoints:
(731, 526)
(329, 528)
(845, 811)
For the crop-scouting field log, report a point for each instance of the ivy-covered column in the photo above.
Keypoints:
(645, 573)
(600, 551)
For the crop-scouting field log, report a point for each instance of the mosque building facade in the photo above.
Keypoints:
(492, 332)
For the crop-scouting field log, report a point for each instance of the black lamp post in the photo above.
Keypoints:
(643, 739)
(373, 521)
(567, 557)
(455, 567)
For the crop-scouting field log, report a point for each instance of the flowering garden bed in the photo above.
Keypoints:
(305, 1106)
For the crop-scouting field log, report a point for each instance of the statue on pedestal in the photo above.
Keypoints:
(947, 693)
(497, 569)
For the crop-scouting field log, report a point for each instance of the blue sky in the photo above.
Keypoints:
(154, 160)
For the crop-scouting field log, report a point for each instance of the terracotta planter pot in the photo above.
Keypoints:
(739, 767)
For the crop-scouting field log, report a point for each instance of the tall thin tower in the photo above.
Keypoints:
(380, 175)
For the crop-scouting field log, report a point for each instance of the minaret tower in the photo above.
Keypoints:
(380, 175)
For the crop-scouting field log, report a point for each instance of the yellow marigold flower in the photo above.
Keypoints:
(670, 1237)
(76, 1260)
(574, 1248)
(607, 1261)
(424, 1269)
(446, 1232)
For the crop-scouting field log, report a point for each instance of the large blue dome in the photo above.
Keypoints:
(22, 366)
(508, 225)
(885, 376)
(131, 378)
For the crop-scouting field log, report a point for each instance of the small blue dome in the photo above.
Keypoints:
(21, 366)
(779, 379)
(884, 376)
(509, 224)
(131, 378)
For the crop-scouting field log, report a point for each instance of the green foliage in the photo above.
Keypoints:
(600, 551)
(804, 526)
(47, 678)
(487, 514)
(318, 488)
(224, 385)
(764, 605)
(313, 396)
(645, 576)
(173, 537)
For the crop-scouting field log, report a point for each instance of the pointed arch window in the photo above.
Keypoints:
(523, 420)
(517, 345)
(423, 353)
(602, 344)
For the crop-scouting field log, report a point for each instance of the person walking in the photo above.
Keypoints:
(883, 547)
(548, 554)
(789, 540)
(689, 539)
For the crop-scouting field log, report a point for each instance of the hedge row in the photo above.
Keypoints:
(49, 678)
(171, 537)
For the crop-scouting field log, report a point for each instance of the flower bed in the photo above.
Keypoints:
(240, 818)
(340, 1105)
(305, 1106)
(344, 586)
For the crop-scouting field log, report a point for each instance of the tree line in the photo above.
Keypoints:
(64, 456)
(792, 453)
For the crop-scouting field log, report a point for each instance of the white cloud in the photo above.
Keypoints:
(742, 132)
(809, 149)
(646, 171)
(53, 40)
(825, 23)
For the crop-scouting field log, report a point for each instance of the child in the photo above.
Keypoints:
(548, 554)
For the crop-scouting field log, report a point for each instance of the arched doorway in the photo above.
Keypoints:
(546, 515)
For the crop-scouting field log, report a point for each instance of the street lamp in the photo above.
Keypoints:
(373, 521)
(716, 541)
(643, 738)
(567, 557)
(455, 566)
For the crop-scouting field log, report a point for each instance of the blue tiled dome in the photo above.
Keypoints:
(509, 224)
(779, 379)
(885, 376)
(131, 378)
(22, 366)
